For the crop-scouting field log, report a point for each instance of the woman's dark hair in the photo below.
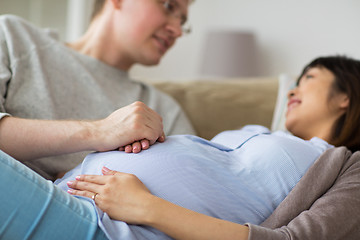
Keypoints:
(98, 6)
(346, 131)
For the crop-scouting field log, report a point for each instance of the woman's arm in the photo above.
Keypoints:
(181, 223)
(124, 197)
(26, 139)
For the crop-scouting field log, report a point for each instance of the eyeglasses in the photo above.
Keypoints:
(172, 9)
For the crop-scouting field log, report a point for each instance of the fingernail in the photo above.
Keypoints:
(70, 191)
(70, 183)
(105, 169)
(78, 178)
(145, 144)
(128, 149)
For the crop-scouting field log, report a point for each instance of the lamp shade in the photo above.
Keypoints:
(229, 54)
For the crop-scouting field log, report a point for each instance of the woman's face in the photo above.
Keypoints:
(314, 106)
(147, 29)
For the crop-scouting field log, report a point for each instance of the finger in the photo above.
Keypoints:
(107, 171)
(146, 112)
(153, 120)
(152, 134)
(161, 138)
(128, 148)
(151, 113)
(145, 144)
(121, 148)
(152, 126)
(87, 194)
(84, 186)
(96, 179)
(136, 147)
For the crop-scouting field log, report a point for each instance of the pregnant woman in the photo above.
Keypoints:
(191, 188)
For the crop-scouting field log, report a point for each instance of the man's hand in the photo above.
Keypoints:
(131, 128)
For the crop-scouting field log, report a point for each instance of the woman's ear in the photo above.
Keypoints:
(344, 101)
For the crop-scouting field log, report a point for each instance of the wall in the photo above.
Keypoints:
(288, 33)
(44, 13)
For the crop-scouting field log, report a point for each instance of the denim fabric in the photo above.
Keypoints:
(34, 208)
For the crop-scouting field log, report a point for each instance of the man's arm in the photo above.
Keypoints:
(26, 139)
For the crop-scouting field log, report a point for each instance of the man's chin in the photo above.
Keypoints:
(151, 62)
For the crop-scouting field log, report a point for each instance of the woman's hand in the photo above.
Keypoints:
(122, 196)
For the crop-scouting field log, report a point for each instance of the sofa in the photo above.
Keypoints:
(225, 104)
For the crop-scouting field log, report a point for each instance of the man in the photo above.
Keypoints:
(45, 84)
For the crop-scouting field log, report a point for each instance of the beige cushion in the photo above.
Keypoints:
(215, 106)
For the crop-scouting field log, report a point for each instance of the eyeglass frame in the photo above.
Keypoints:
(176, 13)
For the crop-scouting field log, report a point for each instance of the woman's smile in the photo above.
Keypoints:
(293, 102)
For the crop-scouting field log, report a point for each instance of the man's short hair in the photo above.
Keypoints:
(99, 4)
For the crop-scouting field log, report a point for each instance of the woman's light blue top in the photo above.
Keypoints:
(240, 176)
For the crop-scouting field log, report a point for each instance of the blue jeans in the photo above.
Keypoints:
(34, 208)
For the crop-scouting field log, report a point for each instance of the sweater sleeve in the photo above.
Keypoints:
(319, 208)
(5, 72)
(181, 124)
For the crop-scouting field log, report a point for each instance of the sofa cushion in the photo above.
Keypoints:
(217, 105)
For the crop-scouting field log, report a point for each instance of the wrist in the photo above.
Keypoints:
(152, 211)
(88, 134)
